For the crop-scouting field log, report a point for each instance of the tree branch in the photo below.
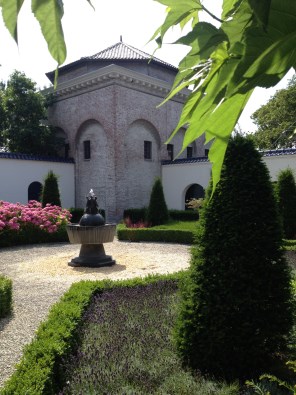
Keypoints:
(212, 15)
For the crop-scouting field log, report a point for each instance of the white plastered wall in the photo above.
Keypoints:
(177, 178)
(16, 175)
(277, 163)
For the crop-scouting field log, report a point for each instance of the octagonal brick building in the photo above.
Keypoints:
(106, 109)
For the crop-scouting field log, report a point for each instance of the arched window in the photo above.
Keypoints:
(34, 191)
(195, 191)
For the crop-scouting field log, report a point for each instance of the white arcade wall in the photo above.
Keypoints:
(178, 176)
(18, 172)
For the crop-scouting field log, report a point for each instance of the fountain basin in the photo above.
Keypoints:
(91, 238)
(91, 234)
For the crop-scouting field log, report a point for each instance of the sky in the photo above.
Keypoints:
(89, 31)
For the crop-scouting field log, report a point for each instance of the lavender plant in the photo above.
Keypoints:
(125, 347)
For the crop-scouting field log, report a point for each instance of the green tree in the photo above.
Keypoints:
(50, 191)
(236, 305)
(2, 113)
(23, 110)
(253, 45)
(157, 211)
(286, 194)
(276, 120)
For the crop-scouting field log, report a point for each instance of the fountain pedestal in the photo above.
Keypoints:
(91, 233)
(92, 255)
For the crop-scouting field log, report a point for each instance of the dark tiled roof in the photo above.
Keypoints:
(186, 160)
(11, 155)
(116, 52)
(276, 152)
(122, 51)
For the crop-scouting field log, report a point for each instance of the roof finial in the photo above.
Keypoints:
(121, 39)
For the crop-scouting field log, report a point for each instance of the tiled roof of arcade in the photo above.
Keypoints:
(276, 152)
(17, 155)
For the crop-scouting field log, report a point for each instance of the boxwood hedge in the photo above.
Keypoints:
(5, 296)
(158, 235)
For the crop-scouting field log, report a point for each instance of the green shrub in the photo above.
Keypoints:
(50, 192)
(157, 211)
(140, 215)
(77, 213)
(286, 195)
(157, 235)
(39, 371)
(30, 234)
(236, 306)
(5, 296)
(184, 215)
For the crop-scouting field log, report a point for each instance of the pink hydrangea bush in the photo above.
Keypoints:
(16, 216)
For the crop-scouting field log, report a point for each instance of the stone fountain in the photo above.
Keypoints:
(91, 233)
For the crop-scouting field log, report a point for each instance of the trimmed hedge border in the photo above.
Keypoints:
(10, 238)
(184, 215)
(5, 296)
(140, 214)
(38, 372)
(150, 234)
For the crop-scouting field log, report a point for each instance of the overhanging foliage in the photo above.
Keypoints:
(254, 45)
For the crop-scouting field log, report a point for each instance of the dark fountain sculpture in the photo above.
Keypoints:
(91, 233)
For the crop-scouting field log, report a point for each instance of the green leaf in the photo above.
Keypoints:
(270, 53)
(270, 67)
(10, 11)
(236, 26)
(178, 13)
(49, 14)
(228, 7)
(203, 39)
(261, 10)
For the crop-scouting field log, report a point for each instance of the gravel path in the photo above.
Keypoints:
(41, 275)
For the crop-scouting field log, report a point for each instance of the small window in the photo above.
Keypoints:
(206, 152)
(147, 150)
(189, 152)
(86, 145)
(170, 148)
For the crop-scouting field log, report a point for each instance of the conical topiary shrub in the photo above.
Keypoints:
(157, 211)
(286, 194)
(236, 305)
(50, 191)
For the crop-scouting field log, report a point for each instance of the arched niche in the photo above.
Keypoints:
(95, 164)
(34, 191)
(141, 167)
(194, 191)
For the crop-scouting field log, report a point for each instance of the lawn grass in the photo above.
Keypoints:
(178, 225)
(126, 347)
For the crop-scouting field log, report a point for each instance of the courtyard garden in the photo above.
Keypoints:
(225, 326)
